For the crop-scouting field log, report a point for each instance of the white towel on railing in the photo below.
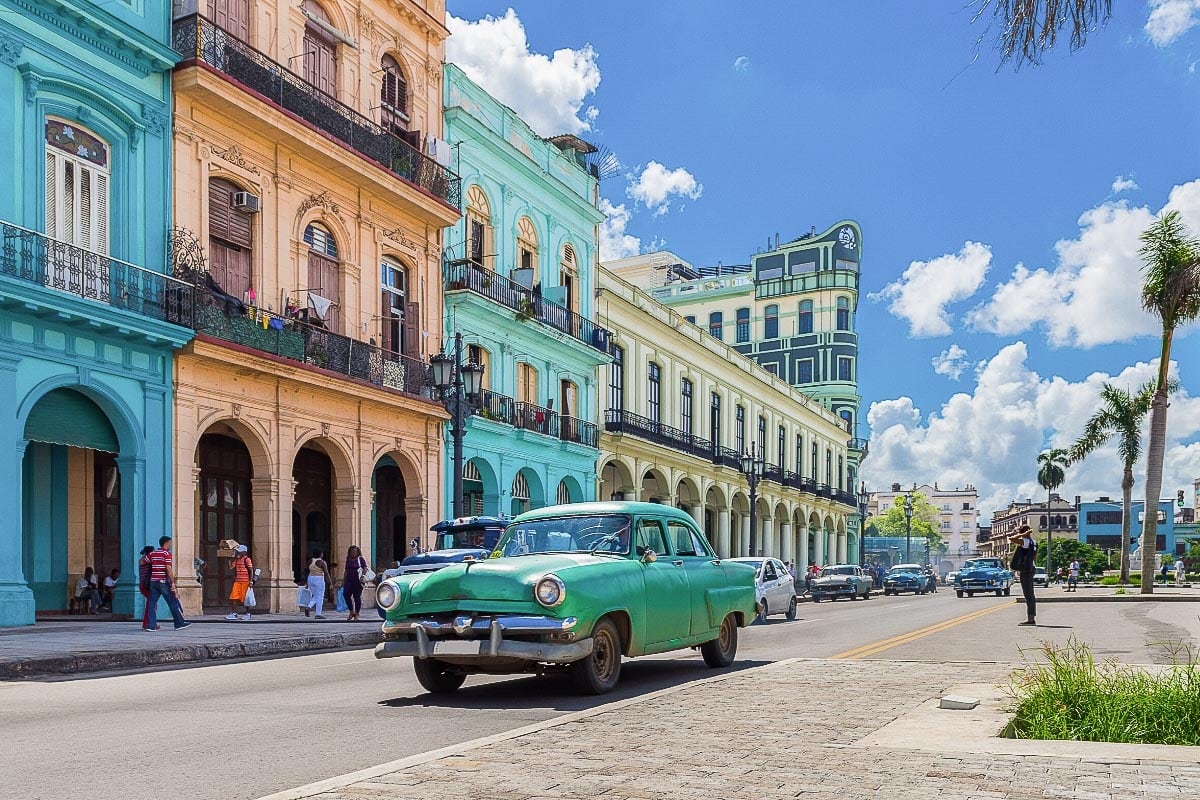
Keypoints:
(320, 305)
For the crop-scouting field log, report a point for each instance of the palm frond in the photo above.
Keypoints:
(1028, 29)
(1171, 271)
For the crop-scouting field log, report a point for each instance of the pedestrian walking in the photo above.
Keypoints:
(1180, 572)
(243, 576)
(144, 583)
(1022, 565)
(353, 580)
(1162, 572)
(1073, 575)
(162, 585)
(318, 573)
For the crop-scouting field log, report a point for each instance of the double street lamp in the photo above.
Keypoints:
(908, 512)
(460, 386)
(863, 498)
(752, 467)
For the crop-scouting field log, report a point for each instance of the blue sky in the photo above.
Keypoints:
(795, 114)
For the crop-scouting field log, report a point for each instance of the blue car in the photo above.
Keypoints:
(983, 575)
(905, 578)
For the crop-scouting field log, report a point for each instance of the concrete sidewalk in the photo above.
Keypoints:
(792, 729)
(64, 649)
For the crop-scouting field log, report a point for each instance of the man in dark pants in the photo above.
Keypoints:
(1024, 551)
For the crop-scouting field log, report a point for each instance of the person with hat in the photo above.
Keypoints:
(1024, 551)
(243, 570)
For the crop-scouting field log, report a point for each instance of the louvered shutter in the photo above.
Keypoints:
(99, 200)
(52, 210)
(412, 330)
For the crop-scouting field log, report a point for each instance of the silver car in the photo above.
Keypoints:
(841, 580)
(774, 586)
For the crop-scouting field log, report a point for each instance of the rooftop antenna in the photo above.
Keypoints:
(603, 163)
(776, 240)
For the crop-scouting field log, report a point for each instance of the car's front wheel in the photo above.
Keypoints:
(791, 612)
(721, 650)
(599, 672)
(960, 594)
(1007, 591)
(437, 677)
(762, 612)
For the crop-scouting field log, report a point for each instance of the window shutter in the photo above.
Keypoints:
(489, 247)
(100, 210)
(412, 330)
(52, 210)
(66, 224)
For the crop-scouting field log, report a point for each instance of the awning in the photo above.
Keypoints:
(67, 417)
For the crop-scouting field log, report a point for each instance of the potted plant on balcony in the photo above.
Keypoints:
(527, 312)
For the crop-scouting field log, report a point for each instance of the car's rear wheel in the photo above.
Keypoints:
(601, 669)
(721, 650)
(791, 612)
(437, 677)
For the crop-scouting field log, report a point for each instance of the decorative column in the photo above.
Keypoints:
(802, 556)
(819, 556)
(133, 528)
(723, 531)
(842, 542)
(767, 538)
(271, 544)
(744, 539)
(785, 541)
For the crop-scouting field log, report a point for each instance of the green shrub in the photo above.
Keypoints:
(1109, 580)
(1072, 697)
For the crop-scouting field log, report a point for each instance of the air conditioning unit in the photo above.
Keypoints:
(247, 202)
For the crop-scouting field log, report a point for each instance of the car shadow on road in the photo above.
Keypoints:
(554, 690)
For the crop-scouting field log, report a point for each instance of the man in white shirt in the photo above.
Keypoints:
(110, 585)
(1073, 575)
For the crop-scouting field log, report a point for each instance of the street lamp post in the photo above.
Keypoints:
(908, 512)
(752, 468)
(459, 385)
(863, 497)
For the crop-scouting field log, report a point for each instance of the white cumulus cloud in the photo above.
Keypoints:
(614, 241)
(990, 437)
(548, 92)
(951, 362)
(741, 63)
(1170, 19)
(1090, 296)
(1123, 183)
(656, 185)
(926, 288)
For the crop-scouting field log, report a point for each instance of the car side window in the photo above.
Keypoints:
(650, 537)
(769, 572)
(681, 539)
(702, 548)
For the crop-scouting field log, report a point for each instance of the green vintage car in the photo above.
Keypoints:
(573, 586)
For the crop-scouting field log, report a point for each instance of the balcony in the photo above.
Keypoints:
(529, 305)
(38, 260)
(527, 416)
(199, 40)
(618, 421)
(807, 282)
(317, 347)
(858, 444)
(843, 497)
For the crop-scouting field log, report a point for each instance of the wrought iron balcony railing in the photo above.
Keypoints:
(496, 407)
(619, 421)
(198, 39)
(857, 444)
(504, 409)
(37, 259)
(727, 457)
(579, 431)
(318, 347)
(773, 473)
(535, 418)
(843, 497)
(528, 304)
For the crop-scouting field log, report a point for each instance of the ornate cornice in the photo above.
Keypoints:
(10, 49)
(130, 48)
(233, 154)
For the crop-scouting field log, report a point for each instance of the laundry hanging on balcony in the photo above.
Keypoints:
(320, 305)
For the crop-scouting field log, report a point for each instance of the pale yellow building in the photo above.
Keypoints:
(682, 408)
(310, 205)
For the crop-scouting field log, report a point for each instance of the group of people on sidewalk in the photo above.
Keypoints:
(98, 595)
(318, 581)
(156, 581)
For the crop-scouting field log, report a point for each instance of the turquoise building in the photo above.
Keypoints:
(88, 319)
(519, 286)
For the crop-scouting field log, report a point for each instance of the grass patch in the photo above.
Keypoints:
(1070, 696)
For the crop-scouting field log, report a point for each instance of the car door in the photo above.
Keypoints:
(668, 599)
(703, 569)
(781, 591)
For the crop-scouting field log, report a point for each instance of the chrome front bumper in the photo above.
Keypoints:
(461, 640)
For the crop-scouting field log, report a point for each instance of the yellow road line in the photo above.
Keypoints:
(866, 650)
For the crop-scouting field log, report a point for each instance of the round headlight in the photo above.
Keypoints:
(550, 591)
(387, 596)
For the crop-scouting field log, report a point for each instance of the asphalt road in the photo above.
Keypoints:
(244, 730)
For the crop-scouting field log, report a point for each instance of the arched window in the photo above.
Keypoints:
(520, 494)
(324, 276)
(77, 174)
(393, 95)
(771, 322)
(401, 318)
(563, 495)
(848, 419)
(319, 49)
(743, 324)
(568, 276)
(472, 489)
(230, 240)
(843, 313)
(480, 245)
(805, 323)
(1043, 522)
(527, 248)
(716, 325)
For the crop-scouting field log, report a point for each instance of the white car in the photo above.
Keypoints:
(774, 587)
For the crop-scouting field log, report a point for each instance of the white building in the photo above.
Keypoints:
(958, 517)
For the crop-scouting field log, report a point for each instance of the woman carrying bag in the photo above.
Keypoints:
(356, 576)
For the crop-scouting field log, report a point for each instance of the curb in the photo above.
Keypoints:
(1120, 598)
(183, 654)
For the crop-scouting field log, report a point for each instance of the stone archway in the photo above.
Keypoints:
(616, 480)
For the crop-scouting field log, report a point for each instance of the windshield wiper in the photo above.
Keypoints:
(609, 539)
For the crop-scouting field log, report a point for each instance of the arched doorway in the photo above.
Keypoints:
(73, 501)
(391, 519)
(225, 509)
(312, 510)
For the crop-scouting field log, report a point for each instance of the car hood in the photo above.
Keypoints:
(509, 578)
(903, 576)
(982, 572)
(833, 579)
(444, 556)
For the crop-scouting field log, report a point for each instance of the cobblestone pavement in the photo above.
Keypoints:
(783, 731)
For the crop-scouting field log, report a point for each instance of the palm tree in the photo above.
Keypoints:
(1027, 30)
(1170, 291)
(1121, 414)
(1052, 471)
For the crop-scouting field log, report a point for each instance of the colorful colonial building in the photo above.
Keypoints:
(311, 217)
(683, 407)
(88, 319)
(519, 279)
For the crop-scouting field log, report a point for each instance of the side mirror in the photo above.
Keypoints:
(649, 556)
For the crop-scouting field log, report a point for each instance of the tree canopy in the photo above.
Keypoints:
(924, 522)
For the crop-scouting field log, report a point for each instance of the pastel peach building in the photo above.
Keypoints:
(310, 212)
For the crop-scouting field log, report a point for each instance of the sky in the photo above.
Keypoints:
(1000, 208)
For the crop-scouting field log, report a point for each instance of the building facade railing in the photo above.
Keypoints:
(620, 421)
(528, 304)
(578, 431)
(807, 282)
(858, 444)
(527, 416)
(727, 457)
(37, 259)
(198, 39)
(532, 417)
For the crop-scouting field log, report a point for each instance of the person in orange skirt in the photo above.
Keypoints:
(243, 568)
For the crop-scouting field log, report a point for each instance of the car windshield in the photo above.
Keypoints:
(904, 570)
(837, 571)
(607, 533)
(982, 564)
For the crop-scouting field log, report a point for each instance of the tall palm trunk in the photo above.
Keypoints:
(1049, 539)
(1126, 514)
(1155, 454)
